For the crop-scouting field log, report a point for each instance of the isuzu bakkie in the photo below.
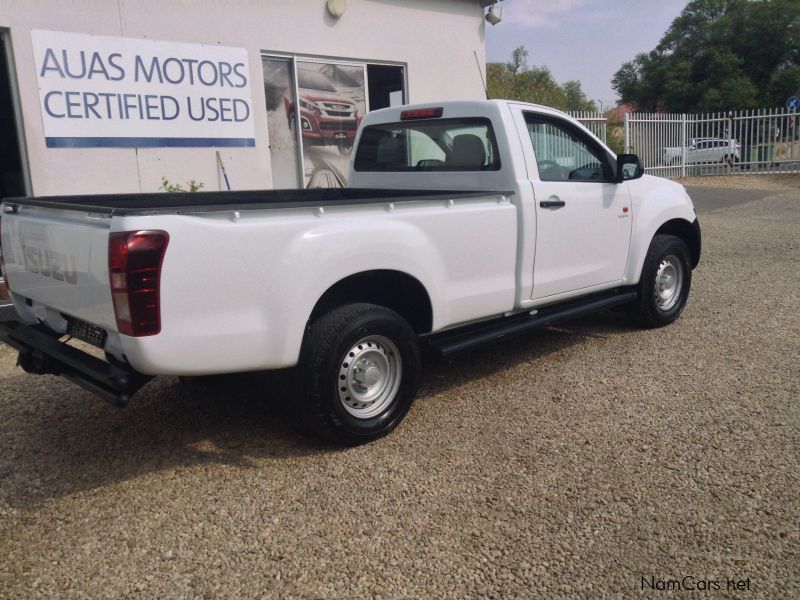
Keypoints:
(463, 223)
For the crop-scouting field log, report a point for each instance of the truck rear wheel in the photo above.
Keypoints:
(665, 282)
(360, 364)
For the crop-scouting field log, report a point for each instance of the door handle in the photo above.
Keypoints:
(552, 203)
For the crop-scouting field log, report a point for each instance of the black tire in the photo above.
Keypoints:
(650, 309)
(327, 346)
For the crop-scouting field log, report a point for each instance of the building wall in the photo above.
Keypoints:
(436, 39)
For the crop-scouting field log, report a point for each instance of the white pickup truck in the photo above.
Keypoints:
(464, 222)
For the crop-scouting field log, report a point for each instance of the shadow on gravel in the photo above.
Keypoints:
(59, 440)
(439, 375)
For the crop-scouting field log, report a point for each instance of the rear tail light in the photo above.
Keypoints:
(134, 271)
(421, 113)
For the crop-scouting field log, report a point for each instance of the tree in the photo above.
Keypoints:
(515, 80)
(576, 99)
(718, 55)
(519, 60)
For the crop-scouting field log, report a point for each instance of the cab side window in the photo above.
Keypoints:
(564, 154)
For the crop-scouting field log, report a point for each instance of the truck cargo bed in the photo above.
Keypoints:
(177, 203)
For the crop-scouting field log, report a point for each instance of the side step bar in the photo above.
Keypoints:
(41, 353)
(472, 336)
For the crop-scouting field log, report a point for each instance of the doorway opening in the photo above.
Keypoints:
(12, 177)
(386, 86)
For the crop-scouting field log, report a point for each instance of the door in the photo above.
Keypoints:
(386, 86)
(332, 99)
(13, 180)
(12, 176)
(280, 96)
(583, 217)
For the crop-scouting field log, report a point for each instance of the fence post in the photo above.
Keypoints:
(627, 135)
(728, 137)
(683, 145)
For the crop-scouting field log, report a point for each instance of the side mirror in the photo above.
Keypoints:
(628, 167)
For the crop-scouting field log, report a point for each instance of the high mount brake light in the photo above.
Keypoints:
(134, 272)
(421, 113)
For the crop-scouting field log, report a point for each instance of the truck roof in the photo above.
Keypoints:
(496, 108)
(475, 106)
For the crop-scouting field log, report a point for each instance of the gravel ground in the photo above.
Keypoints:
(572, 462)
(777, 183)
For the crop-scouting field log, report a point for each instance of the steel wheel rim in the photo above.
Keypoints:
(669, 282)
(369, 376)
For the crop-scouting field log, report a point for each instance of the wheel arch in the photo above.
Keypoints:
(395, 290)
(688, 232)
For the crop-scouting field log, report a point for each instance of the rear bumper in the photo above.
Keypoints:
(41, 353)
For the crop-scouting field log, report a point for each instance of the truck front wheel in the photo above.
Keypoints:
(360, 365)
(665, 282)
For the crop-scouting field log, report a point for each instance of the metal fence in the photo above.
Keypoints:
(685, 145)
(593, 121)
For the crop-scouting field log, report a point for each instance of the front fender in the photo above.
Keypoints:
(656, 201)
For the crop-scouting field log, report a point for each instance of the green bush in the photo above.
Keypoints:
(194, 186)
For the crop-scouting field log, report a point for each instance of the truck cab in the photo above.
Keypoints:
(582, 214)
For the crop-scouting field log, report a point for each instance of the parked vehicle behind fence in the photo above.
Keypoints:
(705, 151)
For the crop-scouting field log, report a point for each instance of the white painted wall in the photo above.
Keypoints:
(435, 38)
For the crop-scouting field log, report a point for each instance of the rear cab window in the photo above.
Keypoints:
(459, 144)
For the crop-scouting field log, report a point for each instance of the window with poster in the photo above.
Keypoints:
(314, 108)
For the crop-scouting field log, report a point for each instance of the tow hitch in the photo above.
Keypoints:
(41, 353)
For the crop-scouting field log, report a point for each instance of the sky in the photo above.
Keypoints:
(587, 40)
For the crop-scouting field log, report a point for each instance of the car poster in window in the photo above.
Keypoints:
(331, 102)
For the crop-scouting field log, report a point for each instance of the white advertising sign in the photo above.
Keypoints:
(100, 91)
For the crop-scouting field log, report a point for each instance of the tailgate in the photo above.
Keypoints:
(58, 260)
